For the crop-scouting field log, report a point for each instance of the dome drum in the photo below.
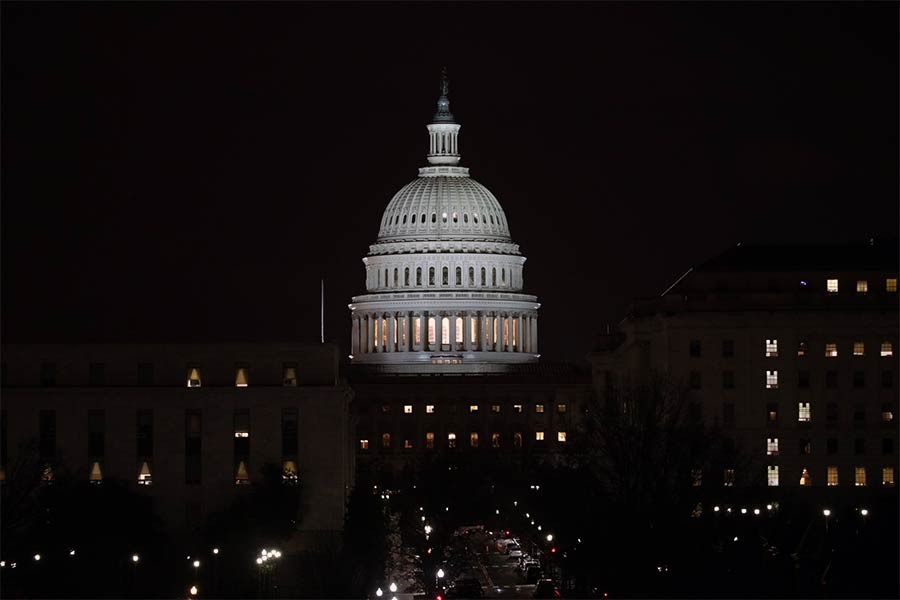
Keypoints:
(444, 272)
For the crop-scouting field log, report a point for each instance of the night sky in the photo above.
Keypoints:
(176, 172)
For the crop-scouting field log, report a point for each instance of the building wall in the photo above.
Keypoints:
(323, 457)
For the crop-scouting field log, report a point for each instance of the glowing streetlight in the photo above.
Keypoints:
(135, 558)
(37, 557)
(743, 511)
(864, 512)
(196, 564)
(497, 511)
(393, 587)
(440, 573)
(194, 590)
(428, 530)
(549, 537)
(379, 593)
(259, 561)
(72, 552)
(826, 512)
(768, 507)
(755, 511)
(215, 550)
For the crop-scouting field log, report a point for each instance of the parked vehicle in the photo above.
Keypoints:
(513, 550)
(465, 587)
(546, 589)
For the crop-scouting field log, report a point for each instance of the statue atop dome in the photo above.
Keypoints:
(445, 82)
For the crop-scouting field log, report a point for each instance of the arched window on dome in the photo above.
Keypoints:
(414, 219)
(445, 276)
(379, 278)
(502, 277)
(443, 217)
(422, 221)
(494, 277)
(458, 275)
(404, 219)
(465, 217)
(430, 275)
(475, 217)
(406, 277)
(483, 277)
(387, 282)
(456, 217)
(434, 217)
(396, 279)
(492, 218)
(471, 276)
(419, 276)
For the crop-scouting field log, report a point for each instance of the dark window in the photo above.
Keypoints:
(96, 434)
(48, 433)
(97, 374)
(728, 413)
(887, 379)
(831, 379)
(241, 433)
(802, 348)
(772, 412)
(192, 446)
(695, 411)
(728, 380)
(859, 446)
(289, 374)
(385, 408)
(145, 434)
(803, 379)
(48, 373)
(805, 446)
(289, 432)
(695, 381)
(859, 414)
(831, 446)
(859, 379)
(3, 375)
(727, 348)
(887, 445)
(145, 373)
(3, 429)
(695, 348)
(831, 412)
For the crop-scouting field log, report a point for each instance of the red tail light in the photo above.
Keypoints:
(556, 593)
(553, 550)
(438, 597)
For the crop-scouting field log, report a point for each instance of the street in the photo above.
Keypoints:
(494, 570)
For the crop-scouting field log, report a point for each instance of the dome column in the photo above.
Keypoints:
(520, 337)
(424, 331)
(498, 332)
(534, 334)
(369, 334)
(452, 339)
(406, 331)
(509, 332)
(467, 331)
(354, 337)
(392, 331)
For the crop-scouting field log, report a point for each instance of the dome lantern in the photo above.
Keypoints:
(443, 131)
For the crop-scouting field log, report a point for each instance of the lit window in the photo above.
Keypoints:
(862, 286)
(696, 477)
(495, 408)
(385, 440)
(772, 413)
(96, 475)
(407, 409)
(728, 478)
(193, 377)
(832, 286)
(805, 479)
(887, 349)
(289, 472)
(517, 408)
(561, 437)
(831, 350)
(451, 440)
(495, 440)
(561, 408)
(772, 446)
(538, 408)
(859, 476)
(144, 475)
(890, 284)
(539, 436)
(429, 440)
(473, 439)
(517, 439)
(887, 413)
(802, 348)
(363, 444)
(240, 377)
(833, 479)
(429, 408)
(241, 475)
(859, 349)
(803, 412)
(771, 380)
(473, 408)
(407, 444)
(887, 473)
(290, 375)
(772, 476)
(771, 347)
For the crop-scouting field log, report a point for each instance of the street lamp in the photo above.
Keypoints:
(215, 550)
(135, 558)
(194, 590)
(393, 587)
(827, 513)
(549, 537)
(379, 593)
(37, 557)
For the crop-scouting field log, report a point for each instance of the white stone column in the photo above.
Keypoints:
(424, 329)
(467, 331)
(406, 324)
(368, 334)
(354, 336)
(452, 332)
(392, 331)
(534, 334)
(520, 337)
(498, 328)
(509, 332)
(376, 344)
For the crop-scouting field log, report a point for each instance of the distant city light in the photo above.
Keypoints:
(755, 511)
(715, 508)
(864, 512)
(135, 558)
(37, 557)
(215, 550)
(72, 552)
(826, 512)
(194, 590)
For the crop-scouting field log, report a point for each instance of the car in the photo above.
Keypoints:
(527, 561)
(533, 573)
(545, 588)
(465, 587)
(513, 550)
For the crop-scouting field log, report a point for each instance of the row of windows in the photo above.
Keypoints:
(771, 348)
(695, 380)
(505, 277)
(860, 478)
(805, 446)
(804, 413)
(398, 219)
(832, 286)
(539, 436)
(97, 374)
(475, 408)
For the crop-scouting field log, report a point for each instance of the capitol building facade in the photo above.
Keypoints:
(444, 279)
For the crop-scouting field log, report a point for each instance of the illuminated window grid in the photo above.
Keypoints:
(859, 476)
(805, 479)
(451, 440)
(772, 446)
(771, 348)
(887, 349)
(473, 408)
(859, 349)
(833, 478)
(561, 437)
(887, 476)
(517, 408)
(429, 408)
(407, 409)
(890, 284)
(429, 440)
(831, 350)
(473, 439)
(363, 444)
(539, 436)
(862, 286)
(771, 380)
(495, 408)
(728, 478)
(772, 476)
(831, 286)
(803, 412)
(539, 408)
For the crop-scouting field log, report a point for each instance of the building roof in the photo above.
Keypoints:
(877, 254)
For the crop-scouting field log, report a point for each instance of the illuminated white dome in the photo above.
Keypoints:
(444, 279)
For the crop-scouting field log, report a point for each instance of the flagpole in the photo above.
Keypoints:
(322, 313)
